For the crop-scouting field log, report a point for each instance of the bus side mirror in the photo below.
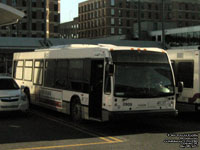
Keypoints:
(180, 86)
(110, 69)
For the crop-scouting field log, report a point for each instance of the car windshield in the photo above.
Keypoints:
(8, 84)
(143, 80)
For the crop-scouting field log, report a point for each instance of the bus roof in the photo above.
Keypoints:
(79, 51)
(101, 46)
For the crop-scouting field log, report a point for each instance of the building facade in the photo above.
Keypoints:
(102, 18)
(69, 30)
(178, 37)
(34, 24)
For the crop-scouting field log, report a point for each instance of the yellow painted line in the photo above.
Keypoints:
(65, 146)
(106, 140)
(73, 127)
(67, 125)
(116, 139)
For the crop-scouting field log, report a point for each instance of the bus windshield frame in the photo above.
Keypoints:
(146, 75)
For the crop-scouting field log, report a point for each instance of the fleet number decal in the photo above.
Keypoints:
(127, 104)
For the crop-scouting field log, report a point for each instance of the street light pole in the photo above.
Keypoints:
(163, 24)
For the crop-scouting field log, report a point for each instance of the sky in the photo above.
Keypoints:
(69, 10)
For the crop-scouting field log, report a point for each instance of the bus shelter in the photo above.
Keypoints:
(9, 15)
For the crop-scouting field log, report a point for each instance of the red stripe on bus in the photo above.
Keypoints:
(194, 98)
(51, 102)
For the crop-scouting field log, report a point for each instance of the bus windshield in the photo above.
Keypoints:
(143, 79)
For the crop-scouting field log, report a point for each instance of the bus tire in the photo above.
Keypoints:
(76, 112)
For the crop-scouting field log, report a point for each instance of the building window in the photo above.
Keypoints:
(169, 15)
(149, 6)
(34, 26)
(120, 13)
(55, 29)
(127, 13)
(112, 30)
(55, 18)
(128, 23)
(24, 27)
(157, 15)
(135, 14)
(34, 15)
(187, 16)
(127, 3)
(55, 7)
(33, 4)
(149, 14)
(112, 21)
(142, 15)
(120, 31)
(112, 3)
(97, 5)
(24, 3)
(120, 5)
(112, 12)
(14, 3)
(120, 21)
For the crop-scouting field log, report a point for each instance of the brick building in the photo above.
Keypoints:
(69, 30)
(103, 18)
(33, 24)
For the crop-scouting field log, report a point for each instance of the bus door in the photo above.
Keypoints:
(96, 84)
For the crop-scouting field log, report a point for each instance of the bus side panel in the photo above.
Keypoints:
(84, 98)
(189, 97)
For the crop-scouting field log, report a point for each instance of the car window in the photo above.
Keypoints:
(8, 84)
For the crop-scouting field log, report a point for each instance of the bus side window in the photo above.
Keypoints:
(61, 74)
(18, 69)
(38, 72)
(185, 73)
(50, 69)
(107, 89)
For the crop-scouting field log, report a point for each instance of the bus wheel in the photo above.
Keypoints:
(76, 112)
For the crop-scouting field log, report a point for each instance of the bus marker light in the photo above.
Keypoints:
(132, 49)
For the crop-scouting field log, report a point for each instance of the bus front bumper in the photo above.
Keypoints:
(113, 115)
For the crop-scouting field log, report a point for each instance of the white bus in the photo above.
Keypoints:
(98, 82)
(186, 65)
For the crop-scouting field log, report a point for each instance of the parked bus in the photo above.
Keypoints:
(186, 65)
(98, 82)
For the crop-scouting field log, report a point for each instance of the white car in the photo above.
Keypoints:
(12, 98)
